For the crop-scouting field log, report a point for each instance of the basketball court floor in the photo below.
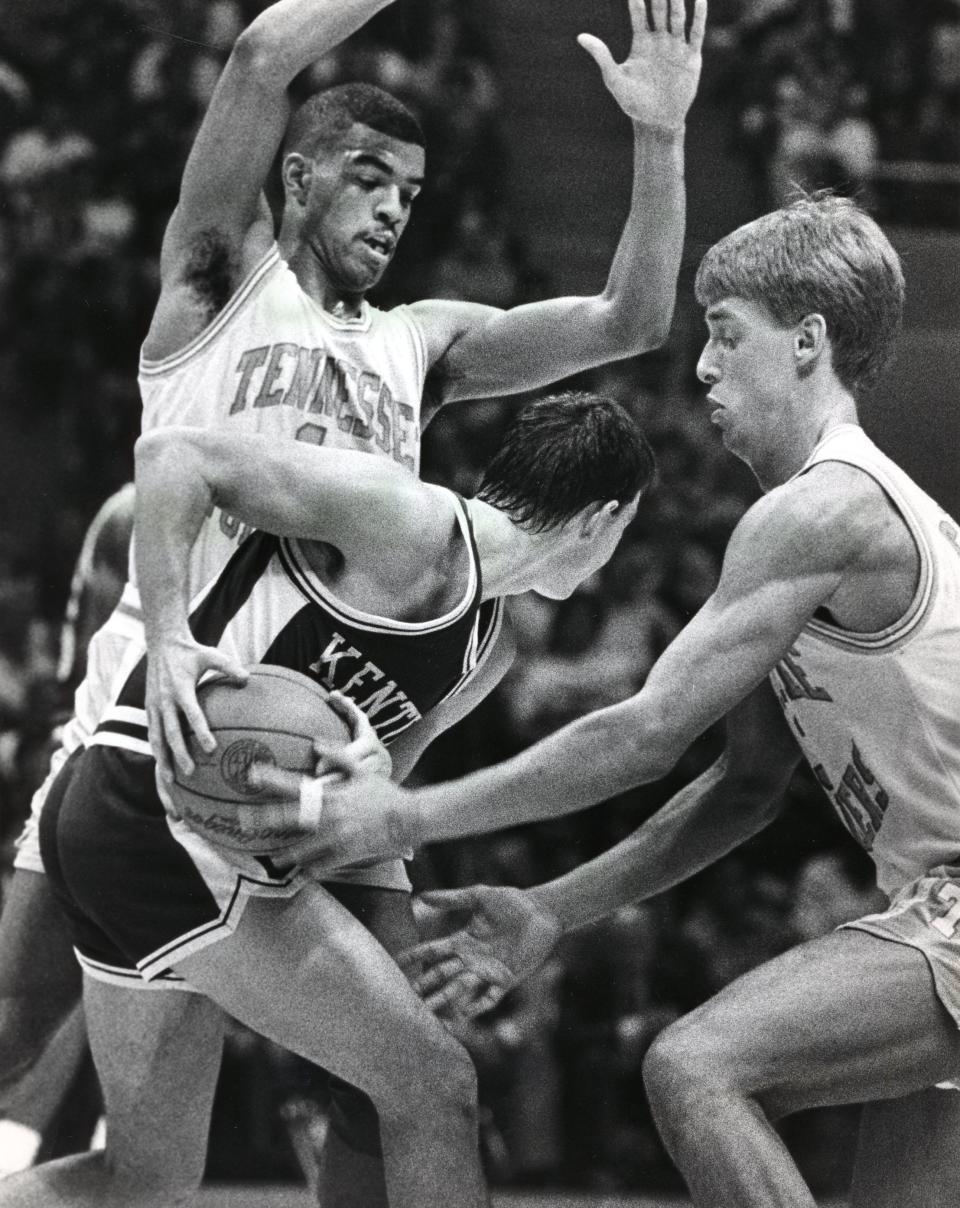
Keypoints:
(256, 1196)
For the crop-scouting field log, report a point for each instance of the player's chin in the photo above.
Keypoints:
(556, 591)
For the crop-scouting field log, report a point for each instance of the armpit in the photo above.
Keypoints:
(210, 271)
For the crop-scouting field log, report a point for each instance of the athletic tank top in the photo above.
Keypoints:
(272, 361)
(269, 606)
(878, 715)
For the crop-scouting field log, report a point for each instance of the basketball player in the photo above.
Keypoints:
(276, 335)
(833, 632)
(46, 992)
(383, 603)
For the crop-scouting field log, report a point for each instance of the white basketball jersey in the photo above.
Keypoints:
(273, 361)
(878, 715)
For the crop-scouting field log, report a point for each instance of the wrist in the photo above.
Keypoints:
(406, 821)
(549, 908)
(669, 135)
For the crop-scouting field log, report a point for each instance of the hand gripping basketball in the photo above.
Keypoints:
(273, 722)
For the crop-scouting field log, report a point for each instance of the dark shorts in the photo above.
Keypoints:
(130, 890)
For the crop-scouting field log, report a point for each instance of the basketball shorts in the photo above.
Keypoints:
(104, 656)
(925, 915)
(142, 891)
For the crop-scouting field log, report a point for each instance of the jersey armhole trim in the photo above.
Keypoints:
(249, 287)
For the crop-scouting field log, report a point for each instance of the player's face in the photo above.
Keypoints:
(360, 201)
(750, 366)
(579, 556)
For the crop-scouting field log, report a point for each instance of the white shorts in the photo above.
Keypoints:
(925, 915)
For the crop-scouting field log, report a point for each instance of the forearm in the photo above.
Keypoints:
(173, 499)
(291, 34)
(587, 762)
(641, 287)
(706, 819)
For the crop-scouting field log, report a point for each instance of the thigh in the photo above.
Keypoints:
(907, 1155)
(305, 973)
(39, 975)
(386, 913)
(846, 1018)
(157, 1053)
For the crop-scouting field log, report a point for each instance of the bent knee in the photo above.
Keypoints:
(443, 1079)
(686, 1058)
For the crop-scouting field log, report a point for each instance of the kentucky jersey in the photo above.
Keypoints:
(878, 715)
(269, 606)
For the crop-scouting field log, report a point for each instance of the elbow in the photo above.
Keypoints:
(258, 55)
(632, 326)
(160, 448)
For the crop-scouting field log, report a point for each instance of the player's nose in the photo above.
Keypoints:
(390, 206)
(707, 370)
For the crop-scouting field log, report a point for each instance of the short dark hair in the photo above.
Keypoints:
(326, 116)
(820, 254)
(563, 452)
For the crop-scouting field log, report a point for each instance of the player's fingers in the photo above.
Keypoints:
(195, 720)
(660, 14)
(458, 994)
(485, 1001)
(351, 713)
(330, 759)
(468, 898)
(171, 732)
(698, 25)
(598, 51)
(638, 16)
(436, 974)
(275, 780)
(228, 668)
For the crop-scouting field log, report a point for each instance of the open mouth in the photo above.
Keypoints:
(380, 245)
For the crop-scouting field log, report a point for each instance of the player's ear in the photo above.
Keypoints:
(597, 516)
(809, 340)
(296, 172)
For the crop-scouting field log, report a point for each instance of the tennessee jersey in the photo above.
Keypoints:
(878, 714)
(274, 361)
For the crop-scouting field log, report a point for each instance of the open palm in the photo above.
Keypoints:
(657, 81)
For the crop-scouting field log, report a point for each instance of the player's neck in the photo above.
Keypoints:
(316, 284)
(509, 555)
(811, 421)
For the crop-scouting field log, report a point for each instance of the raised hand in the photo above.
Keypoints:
(656, 83)
(496, 937)
(174, 669)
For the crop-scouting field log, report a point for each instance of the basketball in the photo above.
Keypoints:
(273, 719)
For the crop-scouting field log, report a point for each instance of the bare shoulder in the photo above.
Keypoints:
(201, 267)
(822, 520)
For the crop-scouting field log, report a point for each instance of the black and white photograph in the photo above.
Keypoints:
(479, 604)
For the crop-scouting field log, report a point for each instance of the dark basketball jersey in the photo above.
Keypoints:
(269, 606)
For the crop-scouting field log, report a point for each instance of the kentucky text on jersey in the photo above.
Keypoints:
(313, 381)
(337, 669)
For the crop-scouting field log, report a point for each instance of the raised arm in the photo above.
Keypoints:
(221, 225)
(478, 351)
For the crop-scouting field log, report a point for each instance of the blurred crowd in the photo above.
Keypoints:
(98, 105)
(858, 95)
